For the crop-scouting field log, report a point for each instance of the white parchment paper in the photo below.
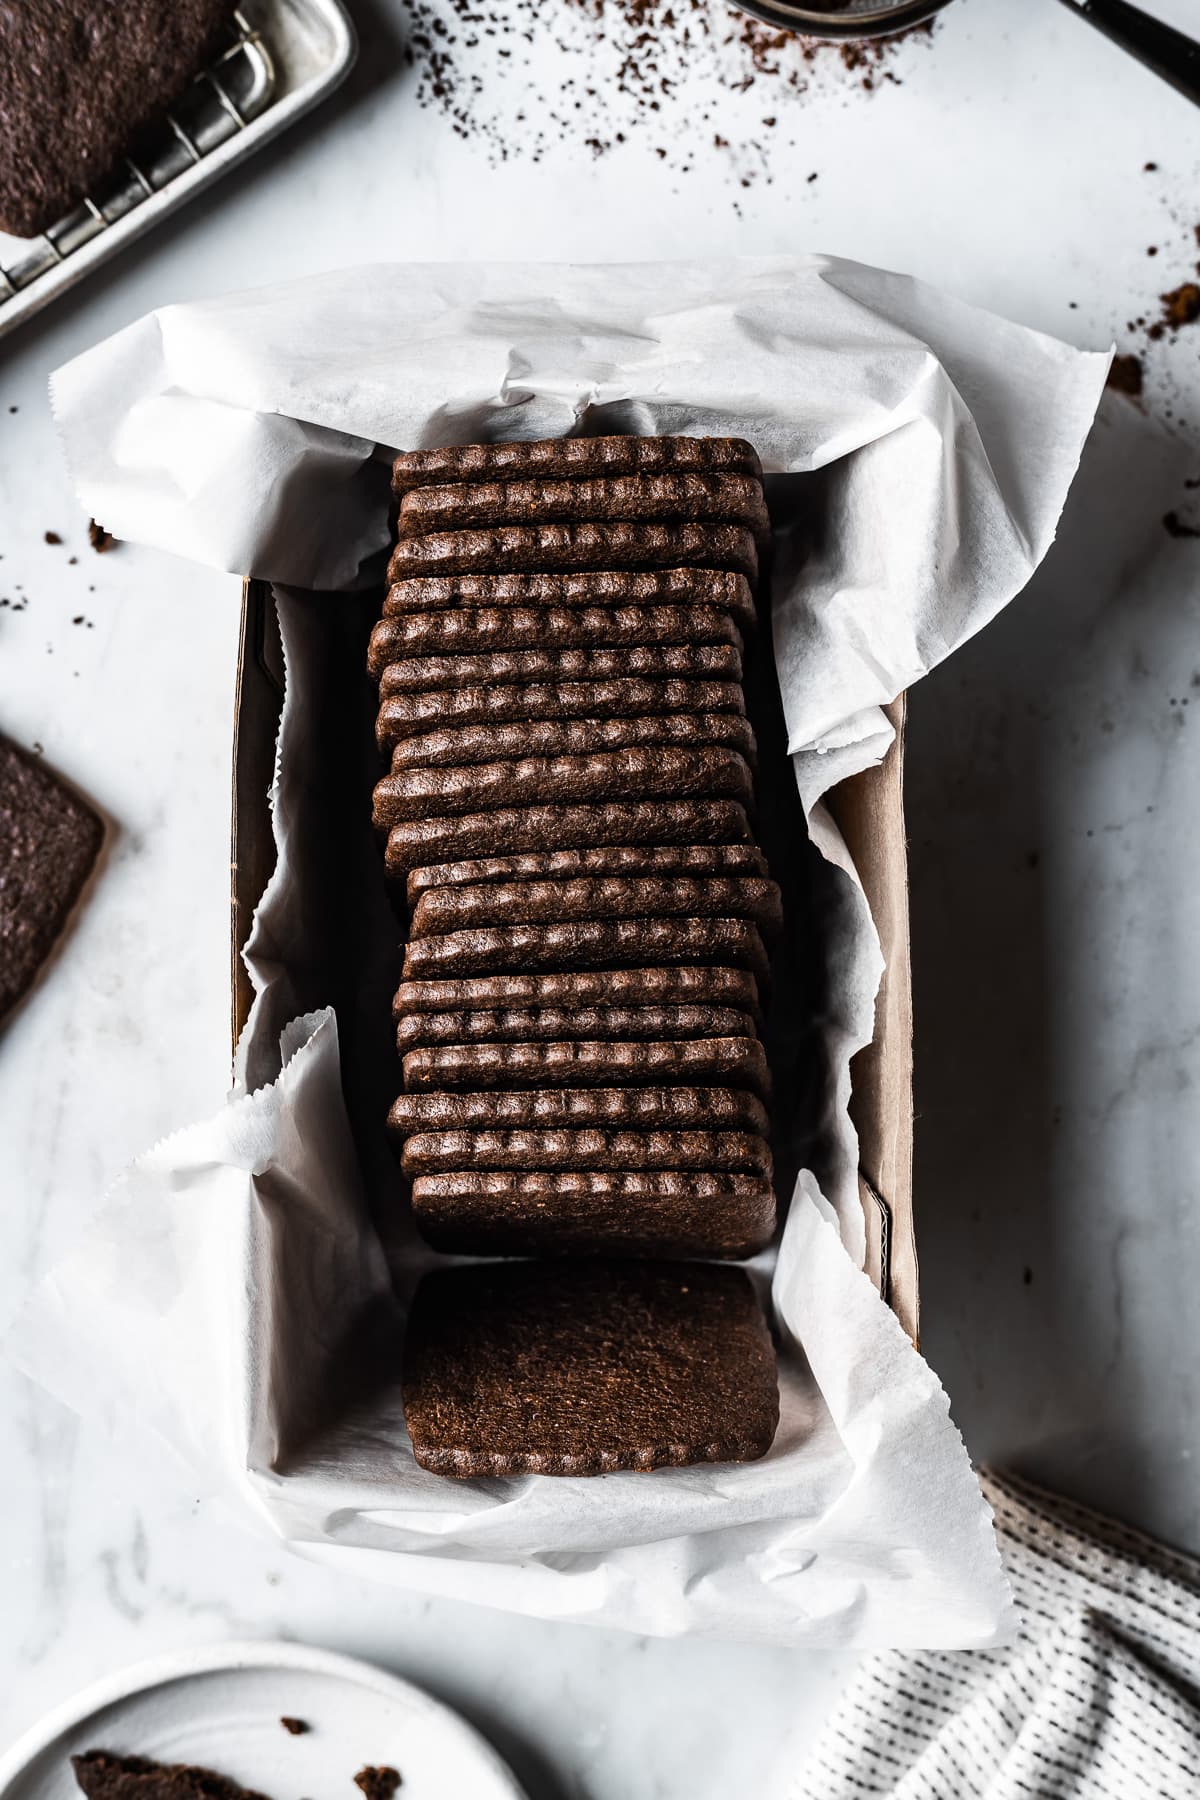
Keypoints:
(230, 1281)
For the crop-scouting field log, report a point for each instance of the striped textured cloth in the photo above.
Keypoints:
(1098, 1696)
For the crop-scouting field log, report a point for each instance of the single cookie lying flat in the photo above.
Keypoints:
(594, 897)
(447, 838)
(437, 1152)
(611, 859)
(405, 715)
(49, 841)
(530, 1025)
(567, 459)
(580, 1109)
(630, 775)
(467, 506)
(618, 544)
(476, 630)
(573, 737)
(587, 944)
(586, 1368)
(571, 1212)
(653, 662)
(588, 1062)
(707, 985)
(597, 587)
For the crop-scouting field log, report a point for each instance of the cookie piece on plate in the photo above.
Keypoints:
(587, 1368)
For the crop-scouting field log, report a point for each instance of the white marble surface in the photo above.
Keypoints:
(1053, 769)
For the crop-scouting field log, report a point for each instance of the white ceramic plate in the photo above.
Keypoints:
(221, 1705)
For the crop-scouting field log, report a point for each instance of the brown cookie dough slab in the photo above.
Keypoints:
(708, 985)
(630, 775)
(573, 737)
(591, 898)
(587, 944)
(569, 459)
(587, 1368)
(49, 842)
(477, 630)
(619, 544)
(563, 827)
(527, 1026)
(597, 587)
(407, 715)
(439, 1152)
(463, 506)
(583, 1062)
(589, 1213)
(580, 1109)
(652, 662)
(612, 859)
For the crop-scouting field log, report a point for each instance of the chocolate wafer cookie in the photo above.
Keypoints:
(527, 1025)
(573, 737)
(580, 1109)
(629, 775)
(654, 662)
(598, 587)
(49, 842)
(585, 1368)
(463, 506)
(405, 715)
(586, 944)
(472, 630)
(613, 859)
(594, 897)
(440, 1152)
(589, 1212)
(727, 1062)
(447, 838)
(617, 544)
(567, 459)
(707, 985)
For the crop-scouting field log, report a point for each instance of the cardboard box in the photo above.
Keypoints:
(869, 811)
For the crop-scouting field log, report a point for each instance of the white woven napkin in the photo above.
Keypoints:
(1097, 1697)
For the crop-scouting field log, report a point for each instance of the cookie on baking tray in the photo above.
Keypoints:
(49, 842)
(566, 459)
(586, 1368)
(565, 1212)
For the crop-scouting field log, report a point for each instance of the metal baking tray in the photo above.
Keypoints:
(282, 57)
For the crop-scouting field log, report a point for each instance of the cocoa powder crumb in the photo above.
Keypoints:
(98, 538)
(1126, 376)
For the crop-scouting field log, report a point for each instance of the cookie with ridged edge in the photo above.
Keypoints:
(478, 630)
(686, 985)
(586, 1368)
(572, 1212)
(573, 737)
(586, 944)
(570, 459)
(406, 715)
(617, 544)
(630, 775)
(579, 1109)
(652, 662)
(448, 838)
(49, 841)
(595, 587)
(438, 1152)
(597, 897)
(611, 859)
(454, 1032)
(463, 506)
(589, 1062)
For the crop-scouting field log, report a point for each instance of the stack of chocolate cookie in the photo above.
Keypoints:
(560, 671)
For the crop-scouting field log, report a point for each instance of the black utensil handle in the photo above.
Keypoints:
(1168, 52)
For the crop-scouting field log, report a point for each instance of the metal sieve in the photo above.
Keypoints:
(850, 19)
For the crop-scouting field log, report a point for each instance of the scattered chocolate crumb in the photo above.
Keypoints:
(13, 409)
(52, 537)
(1179, 528)
(1126, 376)
(297, 1727)
(72, 559)
(78, 619)
(1150, 168)
(1181, 306)
(378, 1783)
(1152, 250)
(98, 538)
